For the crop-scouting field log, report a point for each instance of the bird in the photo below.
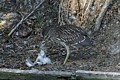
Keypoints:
(66, 35)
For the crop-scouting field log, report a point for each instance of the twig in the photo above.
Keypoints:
(101, 15)
(84, 6)
(16, 27)
(68, 8)
(24, 18)
(60, 14)
(88, 7)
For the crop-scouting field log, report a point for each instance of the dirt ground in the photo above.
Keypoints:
(104, 55)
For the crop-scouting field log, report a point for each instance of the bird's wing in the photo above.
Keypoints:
(73, 35)
(69, 35)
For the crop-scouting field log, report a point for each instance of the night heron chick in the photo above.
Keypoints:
(68, 36)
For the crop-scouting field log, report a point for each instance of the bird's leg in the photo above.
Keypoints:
(68, 52)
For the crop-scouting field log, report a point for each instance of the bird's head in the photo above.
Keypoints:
(48, 31)
(45, 32)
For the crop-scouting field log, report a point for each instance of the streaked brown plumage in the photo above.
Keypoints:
(67, 35)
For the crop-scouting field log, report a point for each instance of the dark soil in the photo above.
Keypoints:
(104, 55)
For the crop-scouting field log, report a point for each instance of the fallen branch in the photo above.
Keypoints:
(35, 71)
(24, 18)
(101, 15)
(99, 75)
(79, 73)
